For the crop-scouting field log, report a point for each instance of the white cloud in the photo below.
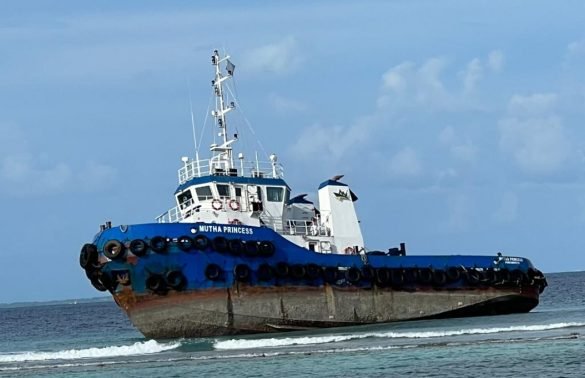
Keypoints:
(280, 57)
(472, 74)
(397, 77)
(460, 150)
(535, 104)
(23, 171)
(538, 145)
(285, 105)
(496, 60)
(405, 163)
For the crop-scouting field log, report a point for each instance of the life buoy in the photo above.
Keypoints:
(113, 249)
(213, 272)
(185, 243)
(264, 272)
(353, 275)
(201, 242)
(88, 256)
(176, 280)
(241, 272)
(216, 204)
(158, 244)
(234, 205)
(220, 244)
(138, 247)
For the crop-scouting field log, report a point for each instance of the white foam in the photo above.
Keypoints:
(146, 347)
(308, 340)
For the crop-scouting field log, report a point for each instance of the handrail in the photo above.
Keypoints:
(200, 168)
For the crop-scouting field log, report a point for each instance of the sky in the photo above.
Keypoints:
(459, 125)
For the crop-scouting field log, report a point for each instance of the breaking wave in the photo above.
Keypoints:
(308, 340)
(146, 347)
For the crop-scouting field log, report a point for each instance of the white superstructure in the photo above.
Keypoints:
(224, 191)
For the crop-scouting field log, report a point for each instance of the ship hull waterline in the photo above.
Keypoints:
(244, 309)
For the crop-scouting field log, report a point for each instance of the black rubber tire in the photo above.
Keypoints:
(313, 271)
(298, 271)
(473, 277)
(353, 275)
(425, 276)
(397, 277)
(156, 283)
(88, 256)
(251, 249)
(368, 273)
(138, 247)
(236, 247)
(453, 274)
(159, 244)
(241, 272)
(331, 274)
(220, 244)
(176, 280)
(282, 270)
(114, 249)
(439, 278)
(185, 243)
(264, 272)
(266, 248)
(201, 242)
(213, 272)
(383, 276)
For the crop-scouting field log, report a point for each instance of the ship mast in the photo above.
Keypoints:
(222, 154)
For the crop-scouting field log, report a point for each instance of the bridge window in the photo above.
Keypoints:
(185, 199)
(223, 190)
(274, 194)
(203, 193)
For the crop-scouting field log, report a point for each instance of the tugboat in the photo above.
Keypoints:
(238, 255)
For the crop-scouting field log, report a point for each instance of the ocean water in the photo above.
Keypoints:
(96, 339)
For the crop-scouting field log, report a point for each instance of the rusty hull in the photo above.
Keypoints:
(244, 309)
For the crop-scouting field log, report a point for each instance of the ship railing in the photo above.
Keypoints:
(206, 204)
(257, 169)
(301, 227)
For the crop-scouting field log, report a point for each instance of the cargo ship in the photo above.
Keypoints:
(239, 254)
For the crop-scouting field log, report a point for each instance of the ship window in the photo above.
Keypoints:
(238, 192)
(185, 199)
(274, 194)
(223, 190)
(203, 193)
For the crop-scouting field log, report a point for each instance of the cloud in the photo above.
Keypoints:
(535, 104)
(405, 163)
(280, 57)
(23, 171)
(534, 136)
(285, 105)
(496, 60)
(472, 74)
(460, 150)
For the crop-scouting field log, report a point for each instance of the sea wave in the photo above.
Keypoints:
(309, 340)
(138, 348)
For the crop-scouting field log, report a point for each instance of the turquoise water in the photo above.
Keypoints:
(96, 339)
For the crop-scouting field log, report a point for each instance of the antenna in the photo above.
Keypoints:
(194, 134)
